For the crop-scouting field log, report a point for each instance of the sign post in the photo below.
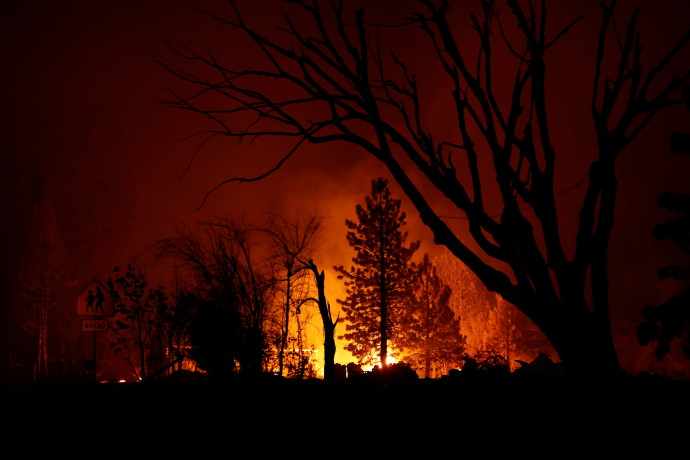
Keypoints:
(96, 303)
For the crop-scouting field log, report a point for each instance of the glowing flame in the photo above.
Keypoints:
(389, 360)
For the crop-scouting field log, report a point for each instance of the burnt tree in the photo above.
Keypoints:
(329, 324)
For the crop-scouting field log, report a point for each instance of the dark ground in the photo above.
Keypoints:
(633, 417)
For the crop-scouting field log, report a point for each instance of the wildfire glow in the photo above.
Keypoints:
(389, 360)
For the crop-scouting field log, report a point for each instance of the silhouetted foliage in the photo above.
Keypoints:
(510, 333)
(354, 370)
(430, 331)
(327, 77)
(489, 363)
(671, 319)
(339, 372)
(229, 285)
(540, 366)
(300, 361)
(399, 372)
(294, 241)
(140, 314)
(175, 328)
(251, 294)
(215, 332)
(379, 283)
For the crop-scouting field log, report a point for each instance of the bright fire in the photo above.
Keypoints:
(389, 360)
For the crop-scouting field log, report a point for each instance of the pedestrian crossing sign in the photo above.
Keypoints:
(95, 300)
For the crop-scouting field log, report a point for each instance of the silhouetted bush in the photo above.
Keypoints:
(485, 363)
(340, 372)
(542, 365)
(354, 371)
(397, 372)
(214, 338)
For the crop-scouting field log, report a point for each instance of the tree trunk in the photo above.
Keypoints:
(427, 345)
(329, 351)
(384, 334)
(43, 334)
(383, 301)
(427, 363)
(328, 323)
(583, 345)
(286, 324)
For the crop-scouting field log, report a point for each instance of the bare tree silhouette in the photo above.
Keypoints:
(40, 302)
(293, 241)
(326, 79)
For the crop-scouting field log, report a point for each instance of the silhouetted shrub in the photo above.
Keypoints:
(214, 340)
(397, 372)
(340, 372)
(542, 365)
(354, 371)
(485, 363)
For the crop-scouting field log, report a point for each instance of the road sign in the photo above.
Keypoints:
(94, 325)
(95, 300)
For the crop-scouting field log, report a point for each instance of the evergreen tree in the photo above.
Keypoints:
(469, 299)
(432, 338)
(512, 335)
(378, 284)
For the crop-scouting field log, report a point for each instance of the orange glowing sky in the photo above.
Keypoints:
(80, 108)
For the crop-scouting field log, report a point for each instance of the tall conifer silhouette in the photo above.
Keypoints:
(378, 283)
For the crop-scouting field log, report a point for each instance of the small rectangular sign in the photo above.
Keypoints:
(94, 325)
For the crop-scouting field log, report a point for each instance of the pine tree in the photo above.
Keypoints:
(512, 335)
(432, 338)
(378, 284)
(469, 299)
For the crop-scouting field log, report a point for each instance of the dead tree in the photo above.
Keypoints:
(326, 79)
(329, 324)
(42, 278)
